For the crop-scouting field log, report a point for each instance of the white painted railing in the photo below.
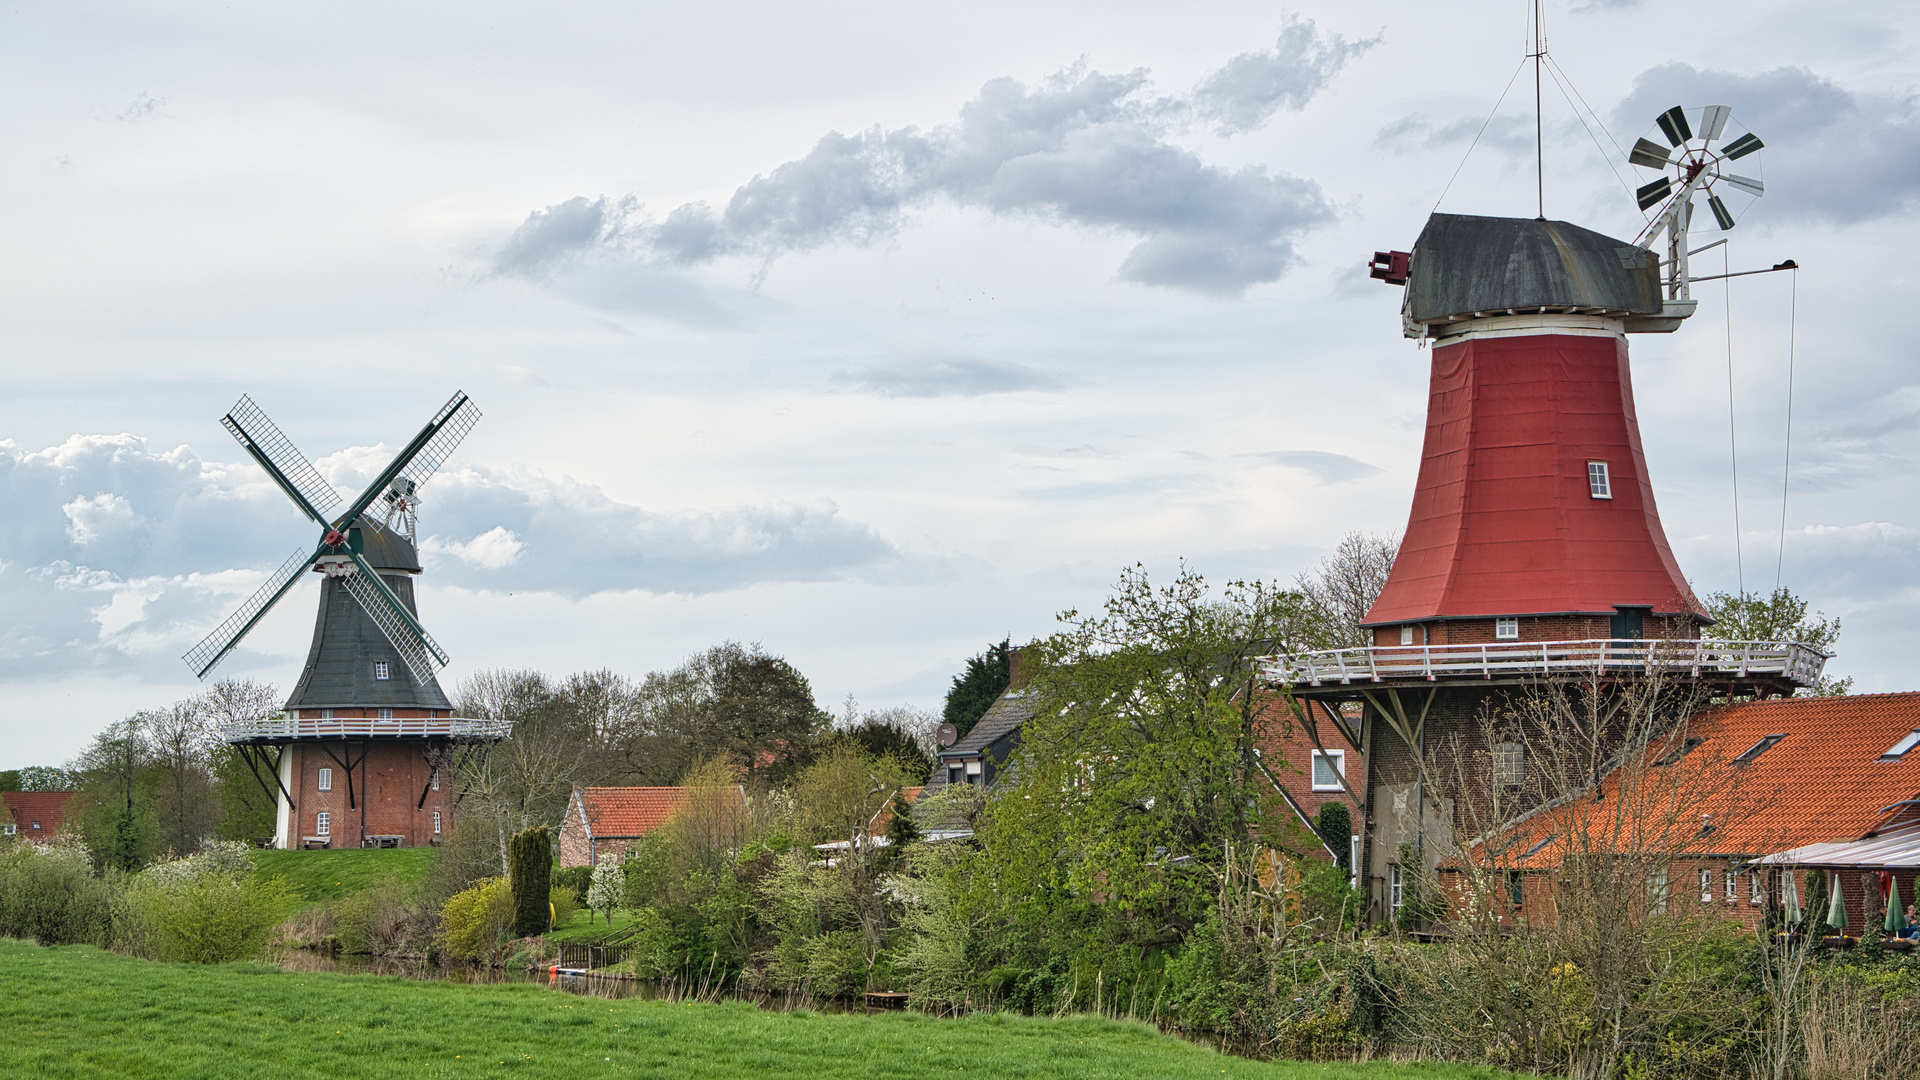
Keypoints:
(1797, 663)
(366, 727)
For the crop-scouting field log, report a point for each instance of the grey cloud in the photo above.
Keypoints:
(1080, 148)
(1246, 92)
(1832, 154)
(946, 377)
(120, 557)
(1323, 466)
(1512, 134)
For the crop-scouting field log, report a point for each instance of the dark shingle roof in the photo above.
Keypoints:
(1007, 713)
(1464, 264)
(346, 644)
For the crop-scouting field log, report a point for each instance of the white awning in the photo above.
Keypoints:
(1895, 850)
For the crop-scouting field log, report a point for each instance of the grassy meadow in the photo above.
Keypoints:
(314, 876)
(79, 1012)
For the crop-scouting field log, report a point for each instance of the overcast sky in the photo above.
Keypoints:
(873, 332)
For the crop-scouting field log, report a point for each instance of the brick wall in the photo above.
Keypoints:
(385, 798)
(1288, 752)
(1535, 628)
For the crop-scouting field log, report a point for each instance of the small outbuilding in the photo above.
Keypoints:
(607, 820)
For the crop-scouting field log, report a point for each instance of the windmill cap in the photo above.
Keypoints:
(1465, 266)
(385, 549)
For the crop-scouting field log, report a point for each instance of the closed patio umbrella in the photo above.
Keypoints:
(1836, 911)
(1791, 901)
(1896, 915)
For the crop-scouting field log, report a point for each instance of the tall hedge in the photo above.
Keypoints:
(1335, 826)
(530, 870)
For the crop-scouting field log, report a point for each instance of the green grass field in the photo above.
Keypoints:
(329, 875)
(80, 1012)
(578, 929)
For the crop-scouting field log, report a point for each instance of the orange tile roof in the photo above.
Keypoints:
(622, 813)
(48, 808)
(1820, 782)
(884, 816)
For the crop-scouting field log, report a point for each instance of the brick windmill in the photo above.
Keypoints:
(1534, 549)
(357, 758)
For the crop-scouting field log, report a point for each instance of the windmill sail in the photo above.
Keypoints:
(454, 420)
(263, 438)
(217, 645)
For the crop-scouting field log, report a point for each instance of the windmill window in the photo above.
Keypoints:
(381, 671)
(434, 782)
(436, 823)
(1406, 634)
(1328, 767)
(1396, 889)
(1899, 750)
(325, 782)
(1757, 749)
(1599, 484)
(326, 714)
(1509, 764)
(323, 824)
(1506, 629)
(385, 714)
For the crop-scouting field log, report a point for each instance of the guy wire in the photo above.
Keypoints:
(1786, 457)
(1733, 445)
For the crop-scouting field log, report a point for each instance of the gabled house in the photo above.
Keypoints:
(1744, 796)
(607, 820)
(980, 756)
(34, 815)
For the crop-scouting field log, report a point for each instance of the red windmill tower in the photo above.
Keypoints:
(1534, 549)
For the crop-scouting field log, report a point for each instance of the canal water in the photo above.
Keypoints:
(601, 986)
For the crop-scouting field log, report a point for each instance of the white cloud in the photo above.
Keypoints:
(495, 549)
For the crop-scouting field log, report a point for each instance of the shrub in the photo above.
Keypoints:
(577, 879)
(1335, 826)
(50, 895)
(475, 922)
(604, 894)
(383, 920)
(208, 918)
(530, 874)
(564, 902)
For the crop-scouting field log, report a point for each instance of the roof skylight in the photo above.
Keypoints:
(1761, 747)
(1899, 749)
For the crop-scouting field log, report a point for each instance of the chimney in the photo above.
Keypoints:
(1016, 678)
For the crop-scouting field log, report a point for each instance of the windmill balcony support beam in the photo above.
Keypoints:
(280, 729)
(1712, 661)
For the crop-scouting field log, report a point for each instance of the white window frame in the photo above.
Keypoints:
(382, 671)
(1336, 760)
(436, 823)
(1509, 763)
(434, 780)
(1756, 887)
(1406, 634)
(1396, 889)
(1733, 886)
(323, 824)
(1706, 884)
(385, 714)
(1506, 628)
(1659, 890)
(9, 829)
(326, 714)
(1599, 480)
(324, 781)
(976, 771)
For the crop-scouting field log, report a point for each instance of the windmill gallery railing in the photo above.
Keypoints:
(282, 729)
(1698, 659)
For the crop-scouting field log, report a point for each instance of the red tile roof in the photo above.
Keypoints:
(621, 813)
(884, 816)
(49, 808)
(1822, 781)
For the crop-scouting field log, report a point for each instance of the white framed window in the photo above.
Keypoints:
(1406, 634)
(1509, 764)
(1599, 483)
(326, 714)
(1706, 886)
(1733, 887)
(386, 714)
(436, 823)
(975, 771)
(434, 782)
(1756, 889)
(325, 781)
(323, 824)
(1898, 750)
(1328, 767)
(381, 671)
(9, 829)
(1506, 629)
(1353, 860)
(1396, 889)
(34, 825)
(1657, 892)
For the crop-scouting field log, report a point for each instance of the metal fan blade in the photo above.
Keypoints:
(1651, 194)
(1742, 146)
(1673, 123)
(1713, 121)
(1746, 184)
(215, 646)
(282, 460)
(1720, 214)
(1649, 155)
(422, 654)
(440, 436)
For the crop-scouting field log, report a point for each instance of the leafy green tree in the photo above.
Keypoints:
(530, 858)
(976, 688)
(116, 784)
(9, 779)
(882, 737)
(1776, 616)
(45, 778)
(1136, 774)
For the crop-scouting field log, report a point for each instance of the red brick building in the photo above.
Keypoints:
(607, 820)
(34, 815)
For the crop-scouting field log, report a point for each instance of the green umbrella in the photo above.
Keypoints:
(1837, 911)
(1792, 899)
(1896, 915)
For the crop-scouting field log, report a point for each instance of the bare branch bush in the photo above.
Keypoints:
(1341, 589)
